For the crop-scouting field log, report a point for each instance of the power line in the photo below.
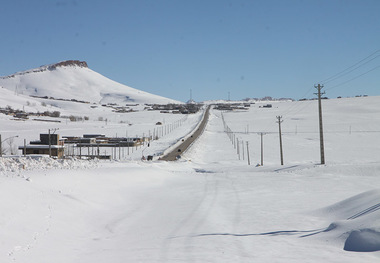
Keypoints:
(351, 70)
(294, 109)
(296, 104)
(354, 78)
(335, 76)
(297, 110)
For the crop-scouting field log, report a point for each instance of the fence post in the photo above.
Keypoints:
(249, 162)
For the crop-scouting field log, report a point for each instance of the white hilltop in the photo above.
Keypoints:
(72, 79)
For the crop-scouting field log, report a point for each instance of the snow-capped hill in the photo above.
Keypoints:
(73, 79)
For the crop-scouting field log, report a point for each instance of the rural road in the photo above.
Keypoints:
(172, 156)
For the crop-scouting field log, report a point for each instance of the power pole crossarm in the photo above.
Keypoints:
(319, 87)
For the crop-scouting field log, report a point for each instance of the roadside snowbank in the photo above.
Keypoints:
(41, 162)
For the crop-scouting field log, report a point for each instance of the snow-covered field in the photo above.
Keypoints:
(210, 206)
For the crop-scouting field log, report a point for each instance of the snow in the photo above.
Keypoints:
(366, 240)
(210, 206)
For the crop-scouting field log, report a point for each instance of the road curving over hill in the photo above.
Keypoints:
(177, 151)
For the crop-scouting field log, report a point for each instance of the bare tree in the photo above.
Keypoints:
(12, 146)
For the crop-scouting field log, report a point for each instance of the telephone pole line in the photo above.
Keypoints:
(279, 121)
(249, 161)
(319, 87)
(262, 148)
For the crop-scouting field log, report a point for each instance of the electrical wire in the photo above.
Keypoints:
(348, 72)
(356, 77)
(341, 73)
(298, 103)
(295, 109)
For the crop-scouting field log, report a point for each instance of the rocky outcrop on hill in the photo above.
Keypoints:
(67, 63)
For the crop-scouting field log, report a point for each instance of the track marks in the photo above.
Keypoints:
(365, 211)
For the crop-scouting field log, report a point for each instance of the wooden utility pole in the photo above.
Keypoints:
(50, 140)
(319, 87)
(249, 161)
(242, 148)
(279, 121)
(49, 145)
(262, 149)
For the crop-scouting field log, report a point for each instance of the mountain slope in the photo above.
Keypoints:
(74, 80)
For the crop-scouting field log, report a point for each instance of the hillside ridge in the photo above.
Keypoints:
(65, 63)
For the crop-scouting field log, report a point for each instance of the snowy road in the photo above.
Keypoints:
(186, 143)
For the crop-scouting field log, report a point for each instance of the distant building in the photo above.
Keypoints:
(42, 147)
(21, 115)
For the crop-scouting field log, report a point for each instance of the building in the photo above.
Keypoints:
(55, 148)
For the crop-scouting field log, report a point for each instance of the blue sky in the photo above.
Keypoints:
(252, 48)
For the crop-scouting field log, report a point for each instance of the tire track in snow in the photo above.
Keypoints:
(216, 179)
(211, 202)
(365, 211)
(212, 193)
(37, 234)
(167, 245)
(237, 218)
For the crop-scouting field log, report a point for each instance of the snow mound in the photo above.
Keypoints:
(364, 240)
(41, 162)
(357, 222)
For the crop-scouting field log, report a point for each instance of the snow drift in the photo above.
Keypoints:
(355, 221)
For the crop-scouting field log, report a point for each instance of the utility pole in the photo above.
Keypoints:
(319, 87)
(242, 147)
(262, 149)
(249, 161)
(279, 121)
(50, 140)
(49, 144)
